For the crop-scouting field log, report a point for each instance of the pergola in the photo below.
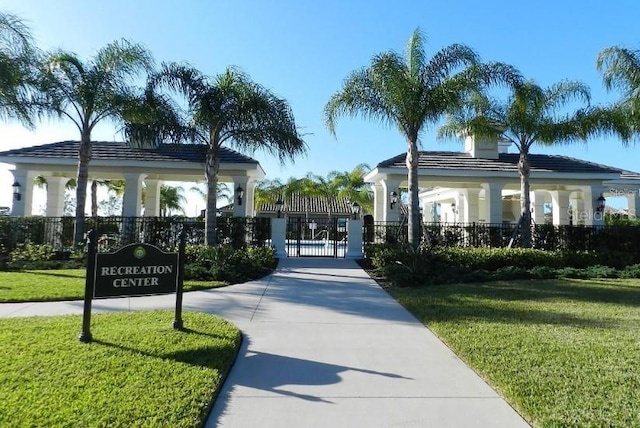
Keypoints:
(149, 167)
(482, 184)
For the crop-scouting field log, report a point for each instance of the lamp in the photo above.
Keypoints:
(279, 205)
(240, 193)
(454, 208)
(355, 209)
(393, 200)
(600, 203)
(16, 191)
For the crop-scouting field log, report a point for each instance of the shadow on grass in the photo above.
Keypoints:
(203, 356)
(483, 301)
(53, 273)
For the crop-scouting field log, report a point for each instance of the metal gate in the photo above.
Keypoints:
(316, 237)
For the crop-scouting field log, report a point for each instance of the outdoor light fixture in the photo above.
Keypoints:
(355, 209)
(454, 208)
(240, 193)
(393, 200)
(279, 205)
(16, 191)
(600, 206)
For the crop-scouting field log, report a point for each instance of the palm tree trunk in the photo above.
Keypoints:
(412, 167)
(525, 198)
(84, 156)
(94, 198)
(212, 167)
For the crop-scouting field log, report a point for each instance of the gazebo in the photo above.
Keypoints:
(482, 185)
(57, 163)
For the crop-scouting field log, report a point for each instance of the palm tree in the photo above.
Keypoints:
(18, 64)
(88, 93)
(352, 187)
(326, 188)
(171, 199)
(116, 186)
(412, 92)
(620, 69)
(531, 115)
(230, 109)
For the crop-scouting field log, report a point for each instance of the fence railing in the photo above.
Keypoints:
(543, 236)
(114, 232)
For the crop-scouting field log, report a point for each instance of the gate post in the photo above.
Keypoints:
(278, 234)
(354, 240)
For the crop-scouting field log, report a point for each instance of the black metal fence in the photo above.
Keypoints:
(114, 232)
(543, 236)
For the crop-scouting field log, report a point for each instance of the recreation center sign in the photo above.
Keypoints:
(133, 270)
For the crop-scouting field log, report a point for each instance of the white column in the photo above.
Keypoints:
(354, 239)
(537, 205)
(378, 202)
(250, 196)
(493, 202)
(391, 214)
(152, 198)
(131, 203)
(24, 206)
(240, 206)
(633, 204)
(55, 196)
(560, 207)
(577, 207)
(470, 209)
(278, 233)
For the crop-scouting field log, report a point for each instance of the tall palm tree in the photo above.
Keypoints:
(620, 69)
(88, 93)
(230, 109)
(326, 188)
(18, 66)
(411, 92)
(171, 199)
(531, 115)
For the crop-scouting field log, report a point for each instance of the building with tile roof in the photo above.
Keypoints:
(482, 184)
(149, 167)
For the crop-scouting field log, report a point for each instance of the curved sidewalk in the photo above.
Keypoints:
(325, 346)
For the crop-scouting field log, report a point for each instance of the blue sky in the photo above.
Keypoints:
(302, 50)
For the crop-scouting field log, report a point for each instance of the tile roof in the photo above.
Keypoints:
(105, 150)
(505, 162)
(303, 204)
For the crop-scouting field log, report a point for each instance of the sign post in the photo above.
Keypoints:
(177, 320)
(85, 336)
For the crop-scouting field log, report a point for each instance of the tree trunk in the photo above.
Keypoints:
(525, 198)
(212, 167)
(414, 204)
(94, 198)
(84, 156)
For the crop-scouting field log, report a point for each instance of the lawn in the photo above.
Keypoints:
(562, 352)
(63, 284)
(138, 371)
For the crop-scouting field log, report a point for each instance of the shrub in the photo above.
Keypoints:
(226, 263)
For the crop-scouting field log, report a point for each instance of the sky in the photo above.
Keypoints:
(302, 51)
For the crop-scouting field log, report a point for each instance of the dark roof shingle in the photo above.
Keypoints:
(505, 162)
(105, 150)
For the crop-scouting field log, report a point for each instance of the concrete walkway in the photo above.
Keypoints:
(325, 346)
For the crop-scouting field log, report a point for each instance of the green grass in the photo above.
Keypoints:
(63, 284)
(562, 352)
(138, 371)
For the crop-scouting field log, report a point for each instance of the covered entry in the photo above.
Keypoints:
(316, 237)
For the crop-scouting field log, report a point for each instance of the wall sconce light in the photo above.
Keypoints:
(454, 208)
(600, 204)
(355, 209)
(393, 200)
(240, 193)
(16, 191)
(279, 205)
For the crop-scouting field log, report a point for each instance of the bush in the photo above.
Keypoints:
(226, 263)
